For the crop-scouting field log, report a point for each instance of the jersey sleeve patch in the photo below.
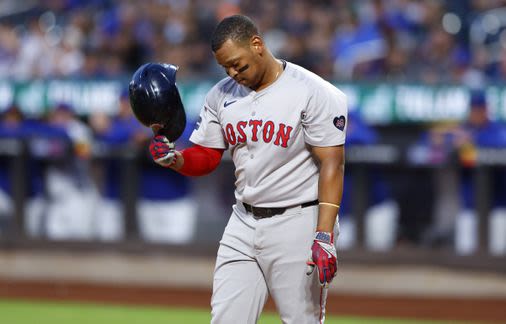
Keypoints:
(340, 122)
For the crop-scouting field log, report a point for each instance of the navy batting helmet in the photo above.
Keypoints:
(155, 99)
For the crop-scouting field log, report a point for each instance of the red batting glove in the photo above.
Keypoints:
(162, 151)
(324, 257)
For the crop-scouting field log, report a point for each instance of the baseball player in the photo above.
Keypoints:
(285, 128)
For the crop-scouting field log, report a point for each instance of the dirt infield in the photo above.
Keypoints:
(482, 310)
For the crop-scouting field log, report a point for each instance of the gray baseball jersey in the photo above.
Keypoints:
(267, 133)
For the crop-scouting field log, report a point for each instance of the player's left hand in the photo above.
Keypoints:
(162, 151)
(323, 258)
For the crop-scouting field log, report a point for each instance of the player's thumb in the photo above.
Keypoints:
(167, 159)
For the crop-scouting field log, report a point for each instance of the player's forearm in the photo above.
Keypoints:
(197, 160)
(330, 190)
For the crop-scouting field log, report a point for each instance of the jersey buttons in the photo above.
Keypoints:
(251, 156)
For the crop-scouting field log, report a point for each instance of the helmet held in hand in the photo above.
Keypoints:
(155, 99)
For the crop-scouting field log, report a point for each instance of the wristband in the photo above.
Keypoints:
(324, 237)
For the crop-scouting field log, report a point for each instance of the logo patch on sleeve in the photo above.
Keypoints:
(340, 122)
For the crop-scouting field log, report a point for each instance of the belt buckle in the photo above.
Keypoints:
(260, 212)
(263, 212)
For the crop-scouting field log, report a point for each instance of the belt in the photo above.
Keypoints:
(266, 212)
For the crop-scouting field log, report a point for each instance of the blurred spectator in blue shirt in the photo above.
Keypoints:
(167, 215)
(71, 191)
(382, 212)
(10, 128)
(455, 192)
(481, 132)
(44, 143)
(114, 136)
(478, 131)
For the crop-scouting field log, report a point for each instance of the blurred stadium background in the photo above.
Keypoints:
(86, 216)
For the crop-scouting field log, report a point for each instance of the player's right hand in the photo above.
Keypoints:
(162, 151)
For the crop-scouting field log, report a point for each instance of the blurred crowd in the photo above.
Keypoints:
(435, 41)
(82, 172)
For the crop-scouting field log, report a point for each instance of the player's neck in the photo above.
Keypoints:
(272, 73)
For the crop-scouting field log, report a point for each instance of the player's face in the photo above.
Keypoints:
(242, 62)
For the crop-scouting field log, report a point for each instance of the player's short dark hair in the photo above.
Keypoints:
(238, 28)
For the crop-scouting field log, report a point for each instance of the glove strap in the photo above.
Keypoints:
(324, 237)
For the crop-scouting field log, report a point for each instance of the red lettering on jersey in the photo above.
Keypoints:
(283, 135)
(229, 130)
(255, 124)
(240, 129)
(268, 131)
(238, 134)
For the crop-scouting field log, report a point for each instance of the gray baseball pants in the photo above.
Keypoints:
(265, 256)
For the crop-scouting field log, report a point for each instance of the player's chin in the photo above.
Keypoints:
(243, 82)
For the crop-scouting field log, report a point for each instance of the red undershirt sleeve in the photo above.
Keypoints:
(200, 160)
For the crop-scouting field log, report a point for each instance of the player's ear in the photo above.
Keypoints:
(257, 45)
